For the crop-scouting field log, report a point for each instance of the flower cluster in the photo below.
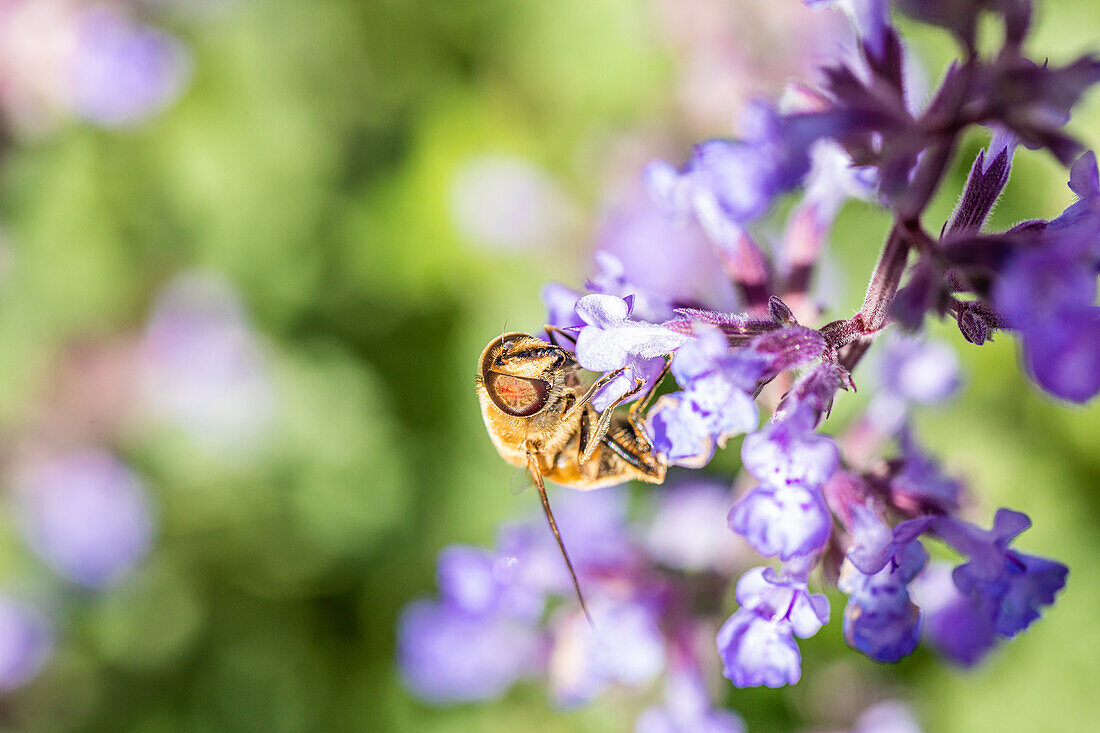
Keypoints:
(831, 509)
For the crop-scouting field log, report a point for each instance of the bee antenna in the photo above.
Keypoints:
(561, 546)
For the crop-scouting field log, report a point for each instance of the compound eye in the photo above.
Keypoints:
(517, 395)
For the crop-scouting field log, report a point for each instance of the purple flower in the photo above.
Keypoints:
(874, 543)
(595, 529)
(1047, 292)
(727, 184)
(789, 452)
(1064, 359)
(714, 405)
(784, 597)
(477, 581)
(1012, 587)
(871, 19)
(612, 340)
(688, 530)
(787, 521)
(26, 643)
(86, 514)
(879, 619)
(623, 645)
(1029, 584)
(985, 548)
(954, 623)
(450, 655)
(687, 709)
(205, 371)
(122, 72)
(886, 717)
(758, 651)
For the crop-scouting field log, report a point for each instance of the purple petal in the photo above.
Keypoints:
(755, 652)
(787, 521)
(446, 655)
(26, 643)
(785, 453)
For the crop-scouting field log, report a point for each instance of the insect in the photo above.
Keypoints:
(539, 419)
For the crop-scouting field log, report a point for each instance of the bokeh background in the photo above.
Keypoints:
(249, 253)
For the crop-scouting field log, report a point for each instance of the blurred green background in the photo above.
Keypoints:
(312, 162)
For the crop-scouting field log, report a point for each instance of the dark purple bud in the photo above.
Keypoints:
(973, 328)
(780, 313)
(977, 321)
(816, 388)
(983, 186)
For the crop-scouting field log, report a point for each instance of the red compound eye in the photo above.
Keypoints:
(516, 395)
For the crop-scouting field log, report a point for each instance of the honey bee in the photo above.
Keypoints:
(538, 419)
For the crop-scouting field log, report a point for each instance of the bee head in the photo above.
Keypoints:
(521, 373)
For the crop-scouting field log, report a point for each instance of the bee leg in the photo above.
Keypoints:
(551, 330)
(605, 420)
(637, 410)
(536, 475)
(579, 404)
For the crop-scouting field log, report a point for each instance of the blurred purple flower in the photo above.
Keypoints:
(889, 716)
(26, 643)
(204, 369)
(86, 514)
(687, 709)
(662, 260)
(688, 530)
(954, 623)
(506, 202)
(758, 651)
(920, 485)
(448, 655)
(728, 184)
(122, 72)
(871, 19)
(623, 645)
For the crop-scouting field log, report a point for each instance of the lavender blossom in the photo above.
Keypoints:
(204, 369)
(757, 644)
(122, 72)
(448, 655)
(880, 620)
(687, 709)
(714, 405)
(26, 642)
(954, 623)
(688, 530)
(623, 645)
(1012, 586)
(86, 514)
